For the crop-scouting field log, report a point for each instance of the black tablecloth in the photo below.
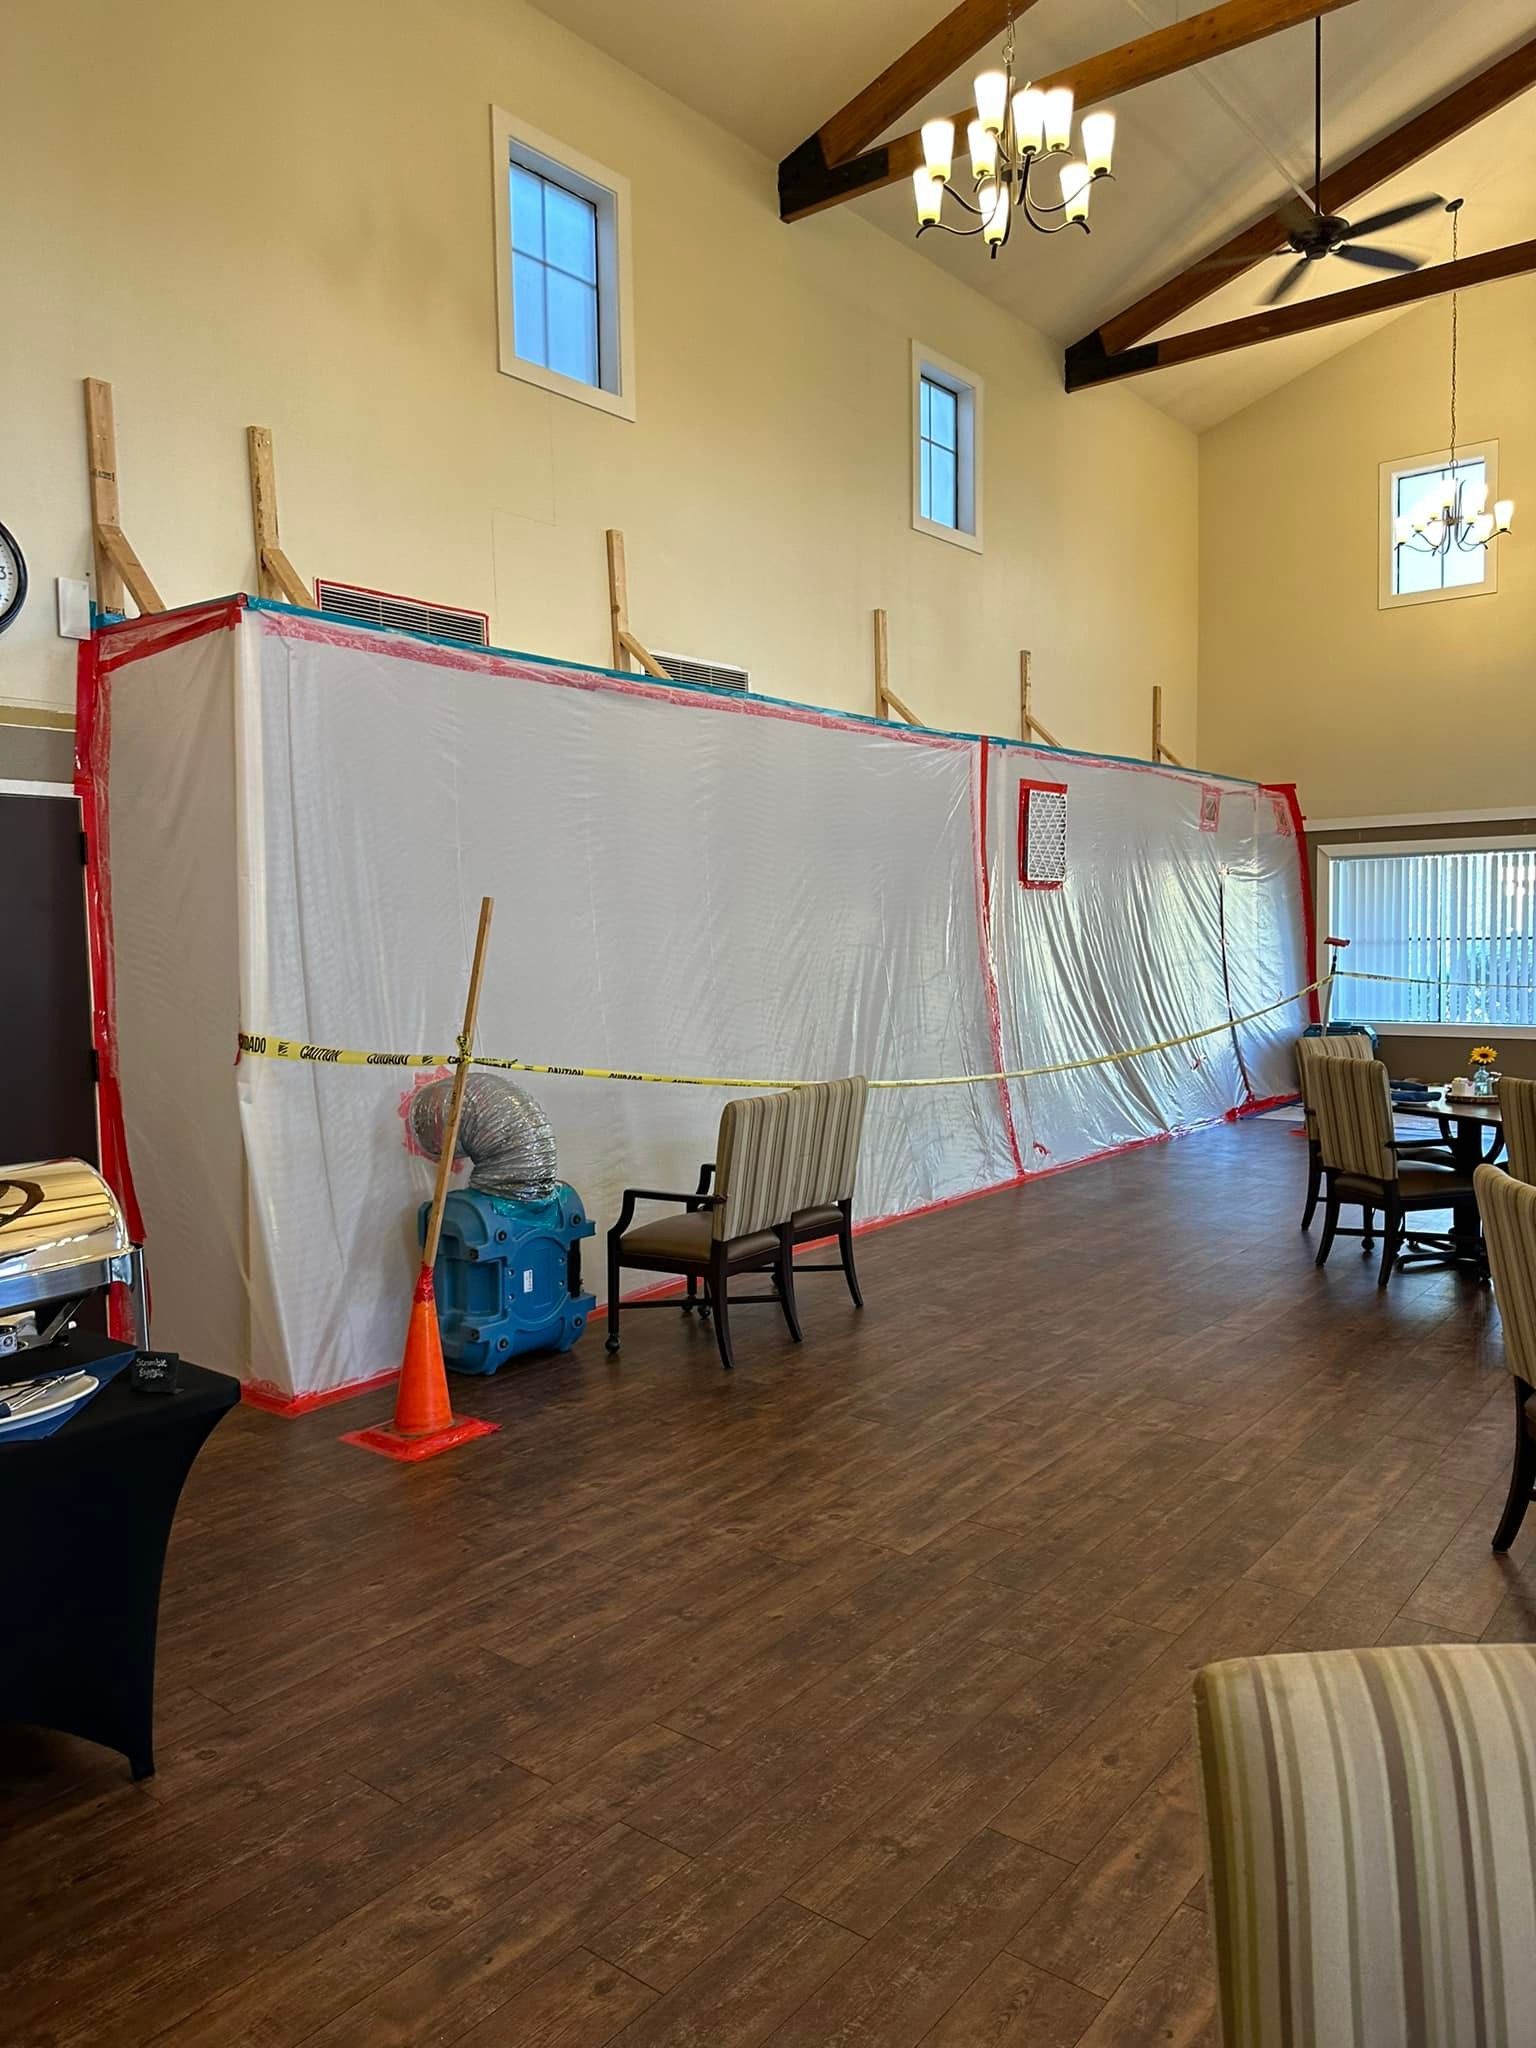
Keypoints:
(85, 1515)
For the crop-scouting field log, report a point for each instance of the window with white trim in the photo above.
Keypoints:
(562, 268)
(1411, 573)
(1449, 925)
(946, 449)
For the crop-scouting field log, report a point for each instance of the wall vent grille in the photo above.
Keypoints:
(404, 614)
(723, 676)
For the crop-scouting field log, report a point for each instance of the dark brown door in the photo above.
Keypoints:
(47, 1083)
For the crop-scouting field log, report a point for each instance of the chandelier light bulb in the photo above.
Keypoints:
(1029, 120)
(992, 100)
(929, 194)
(1402, 530)
(938, 150)
(1076, 185)
(983, 149)
(1503, 515)
(1058, 117)
(1480, 530)
(994, 215)
(1099, 141)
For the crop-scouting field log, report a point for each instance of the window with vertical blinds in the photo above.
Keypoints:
(1460, 928)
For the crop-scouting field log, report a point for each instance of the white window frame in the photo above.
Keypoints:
(1387, 598)
(514, 141)
(966, 385)
(1370, 849)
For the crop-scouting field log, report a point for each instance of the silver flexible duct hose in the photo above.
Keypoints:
(503, 1133)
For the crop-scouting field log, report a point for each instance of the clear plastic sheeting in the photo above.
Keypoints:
(503, 1133)
(685, 884)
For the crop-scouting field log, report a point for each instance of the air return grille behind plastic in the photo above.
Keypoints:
(723, 676)
(405, 614)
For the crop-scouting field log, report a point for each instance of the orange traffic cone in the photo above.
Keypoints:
(424, 1422)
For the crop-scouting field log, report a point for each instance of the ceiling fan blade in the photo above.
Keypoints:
(1378, 259)
(1287, 284)
(1374, 224)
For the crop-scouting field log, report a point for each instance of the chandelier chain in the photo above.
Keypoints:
(1455, 336)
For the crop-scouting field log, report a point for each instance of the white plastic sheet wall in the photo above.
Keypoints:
(304, 815)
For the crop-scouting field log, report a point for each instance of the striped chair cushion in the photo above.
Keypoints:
(826, 1126)
(1371, 1841)
(1517, 1105)
(1508, 1210)
(1353, 1101)
(750, 1164)
(1336, 1045)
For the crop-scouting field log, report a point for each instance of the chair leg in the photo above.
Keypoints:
(1522, 1482)
(1391, 1243)
(784, 1274)
(612, 1343)
(1314, 1182)
(1330, 1226)
(717, 1297)
(691, 1298)
(1367, 1241)
(845, 1251)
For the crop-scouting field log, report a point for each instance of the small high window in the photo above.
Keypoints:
(946, 450)
(562, 248)
(1410, 572)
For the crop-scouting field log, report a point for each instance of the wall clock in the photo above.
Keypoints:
(13, 577)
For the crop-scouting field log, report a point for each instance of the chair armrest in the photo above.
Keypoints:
(706, 1175)
(691, 1202)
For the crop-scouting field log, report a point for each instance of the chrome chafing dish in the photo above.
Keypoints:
(62, 1238)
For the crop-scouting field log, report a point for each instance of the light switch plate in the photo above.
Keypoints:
(74, 595)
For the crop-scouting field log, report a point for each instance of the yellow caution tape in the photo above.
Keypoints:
(262, 1046)
(1488, 988)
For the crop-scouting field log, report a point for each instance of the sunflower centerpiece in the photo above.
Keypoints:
(1483, 1060)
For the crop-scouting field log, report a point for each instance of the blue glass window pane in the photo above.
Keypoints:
(942, 411)
(570, 230)
(572, 316)
(925, 393)
(527, 213)
(925, 469)
(942, 486)
(528, 317)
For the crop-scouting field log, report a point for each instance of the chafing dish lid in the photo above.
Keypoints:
(57, 1212)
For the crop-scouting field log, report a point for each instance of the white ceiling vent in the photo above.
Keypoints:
(405, 614)
(723, 676)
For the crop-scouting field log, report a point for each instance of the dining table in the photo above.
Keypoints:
(1473, 1129)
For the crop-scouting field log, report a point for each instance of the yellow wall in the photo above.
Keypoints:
(1421, 708)
(284, 216)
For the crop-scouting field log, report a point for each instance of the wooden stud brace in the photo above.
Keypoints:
(118, 568)
(275, 575)
(1159, 751)
(886, 699)
(623, 641)
(1030, 727)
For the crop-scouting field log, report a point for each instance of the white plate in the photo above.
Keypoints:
(69, 1393)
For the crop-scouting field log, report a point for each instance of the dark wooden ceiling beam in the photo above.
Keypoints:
(1404, 145)
(810, 180)
(1087, 366)
(935, 57)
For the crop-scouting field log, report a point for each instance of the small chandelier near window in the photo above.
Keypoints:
(1014, 136)
(1454, 514)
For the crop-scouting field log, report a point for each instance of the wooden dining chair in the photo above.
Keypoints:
(740, 1226)
(1508, 1210)
(1353, 1099)
(1517, 1107)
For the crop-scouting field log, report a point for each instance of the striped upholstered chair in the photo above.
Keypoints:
(1508, 1209)
(1371, 1847)
(1347, 1045)
(1517, 1106)
(1353, 1100)
(743, 1226)
(827, 1126)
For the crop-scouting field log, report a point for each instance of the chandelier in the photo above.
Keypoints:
(1455, 513)
(1014, 136)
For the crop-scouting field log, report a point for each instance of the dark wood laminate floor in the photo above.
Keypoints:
(841, 1701)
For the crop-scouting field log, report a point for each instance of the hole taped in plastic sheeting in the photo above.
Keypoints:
(1042, 834)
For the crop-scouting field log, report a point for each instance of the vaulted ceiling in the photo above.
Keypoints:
(1198, 154)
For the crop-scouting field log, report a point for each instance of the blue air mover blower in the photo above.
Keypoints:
(508, 1275)
(508, 1272)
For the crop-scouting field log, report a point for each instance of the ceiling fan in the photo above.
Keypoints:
(1313, 234)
